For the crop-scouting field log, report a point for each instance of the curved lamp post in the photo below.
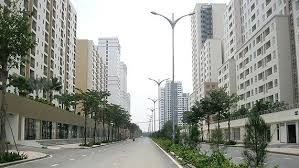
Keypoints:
(172, 23)
(154, 111)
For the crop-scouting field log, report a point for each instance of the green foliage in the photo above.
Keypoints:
(217, 139)
(165, 132)
(50, 86)
(21, 83)
(255, 138)
(11, 156)
(194, 136)
(16, 40)
(194, 157)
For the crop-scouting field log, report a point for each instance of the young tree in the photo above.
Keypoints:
(22, 84)
(50, 86)
(16, 40)
(255, 138)
(221, 103)
(36, 85)
(207, 113)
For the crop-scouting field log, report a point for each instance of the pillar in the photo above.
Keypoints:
(54, 125)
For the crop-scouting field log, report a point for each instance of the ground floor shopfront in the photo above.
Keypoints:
(28, 120)
(283, 127)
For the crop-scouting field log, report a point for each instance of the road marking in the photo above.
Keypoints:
(100, 151)
(83, 155)
(239, 157)
(72, 159)
(288, 158)
(174, 161)
(54, 165)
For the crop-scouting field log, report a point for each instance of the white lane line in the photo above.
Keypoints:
(100, 151)
(288, 158)
(54, 165)
(83, 155)
(239, 157)
(174, 161)
(72, 159)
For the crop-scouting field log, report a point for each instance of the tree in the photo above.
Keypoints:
(256, 137)
(207, 112)
(221, 103)
(16, 40)
(50, 86)
(67, 100)
(36, 85)
(21, 83)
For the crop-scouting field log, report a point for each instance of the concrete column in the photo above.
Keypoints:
(38, 129)
(297, 133)
(54, 130)
(22, 127)
(78, 132)
(69, 131)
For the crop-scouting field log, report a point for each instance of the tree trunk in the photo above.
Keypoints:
(4, 76)
(103, 131)
(218, 121)
(228, 126)
(85, 122)
(94, 131)
(108, 131)
(209, 131)
(112, 133)
(118, 134)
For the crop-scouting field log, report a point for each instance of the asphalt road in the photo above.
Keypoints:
(283, 161)
(142, 153)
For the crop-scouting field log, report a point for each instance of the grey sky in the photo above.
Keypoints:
(145, 42)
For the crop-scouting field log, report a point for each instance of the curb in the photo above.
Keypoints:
(283, 153)
(171, 158)
(22, 161)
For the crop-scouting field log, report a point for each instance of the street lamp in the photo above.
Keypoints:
(159, 82)
(172, 23)
(153, 119)
(154, 111)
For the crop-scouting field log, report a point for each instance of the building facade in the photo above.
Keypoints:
(89, 66)
(125, 96)
(54, 27)
(109, 49)
(179, 100)
(227, 76)
(206, 32)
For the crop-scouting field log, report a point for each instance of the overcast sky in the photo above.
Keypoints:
(145, 42)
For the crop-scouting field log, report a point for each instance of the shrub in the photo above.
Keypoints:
(11, 156)
(197, 159)
(231, 142)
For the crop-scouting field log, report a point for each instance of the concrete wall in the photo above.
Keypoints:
(282, 118)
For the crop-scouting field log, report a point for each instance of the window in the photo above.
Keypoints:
(270, 85)
(269, 12)
(30, 129)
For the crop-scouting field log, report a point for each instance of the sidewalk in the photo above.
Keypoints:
(287, 149)
(31, 156)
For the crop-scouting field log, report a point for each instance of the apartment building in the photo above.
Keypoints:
(264, 66)
(89, 66)
(227, 76)
(109, 49)
(54, 27)
(179, 101)
(207, 32)
(210, 59)
(125, 96)
(265, 63)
